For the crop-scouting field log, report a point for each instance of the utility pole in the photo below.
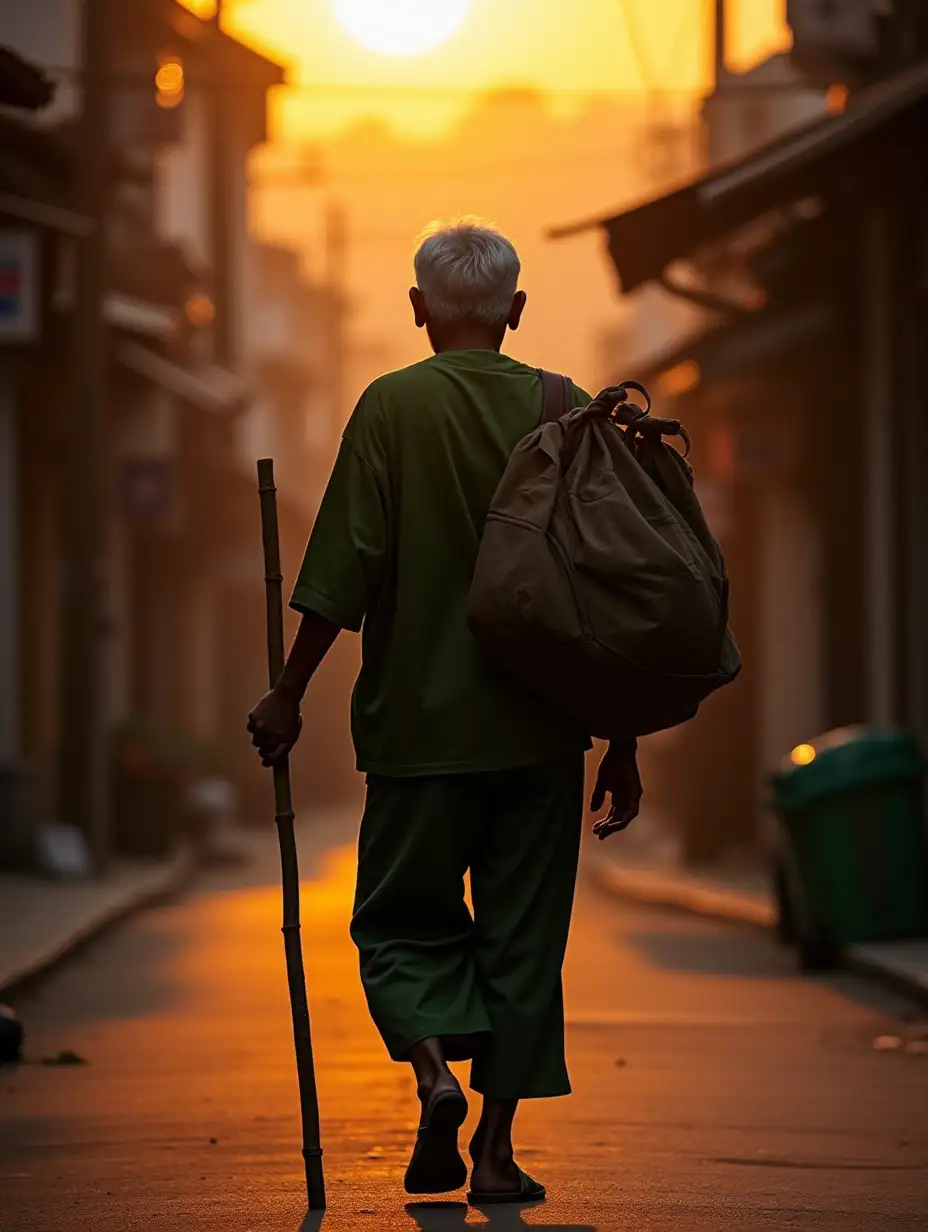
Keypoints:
(83, 775)
(219, 207)
(719, 70)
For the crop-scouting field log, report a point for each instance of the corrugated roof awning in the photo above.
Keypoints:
(732, 347)
(643, 241)
(206, 385)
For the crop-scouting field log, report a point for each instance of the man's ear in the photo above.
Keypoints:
(515, 312)
(417, 299)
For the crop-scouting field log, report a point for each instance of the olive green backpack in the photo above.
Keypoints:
(598, 582)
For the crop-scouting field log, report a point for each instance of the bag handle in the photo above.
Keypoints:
(555, 394)
(613, 402)
(639, 422)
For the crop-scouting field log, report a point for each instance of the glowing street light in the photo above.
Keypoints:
(200, 310)
(169, 83)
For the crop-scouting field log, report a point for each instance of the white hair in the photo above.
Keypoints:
(467, 272)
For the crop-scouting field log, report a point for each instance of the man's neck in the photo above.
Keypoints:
(468, 338)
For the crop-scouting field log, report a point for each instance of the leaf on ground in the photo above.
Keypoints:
(66, 1056)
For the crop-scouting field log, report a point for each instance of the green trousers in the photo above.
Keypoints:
(488, 984)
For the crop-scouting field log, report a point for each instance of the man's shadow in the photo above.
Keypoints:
(452, 1217)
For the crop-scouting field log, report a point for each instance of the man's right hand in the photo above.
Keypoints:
(275, 725)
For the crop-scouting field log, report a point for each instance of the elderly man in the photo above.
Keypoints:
(466, 770)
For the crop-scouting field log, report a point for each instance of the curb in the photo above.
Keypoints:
(892, 972)
(661, 890)
(161, 886)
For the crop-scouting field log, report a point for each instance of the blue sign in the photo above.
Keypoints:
(19, 286)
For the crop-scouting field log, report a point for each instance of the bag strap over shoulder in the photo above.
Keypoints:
(556, 393)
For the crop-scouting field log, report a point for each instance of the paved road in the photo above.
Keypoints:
(714, 1088)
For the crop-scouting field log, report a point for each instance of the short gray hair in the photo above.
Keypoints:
(467, 271)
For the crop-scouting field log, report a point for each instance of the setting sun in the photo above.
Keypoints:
(400, 27)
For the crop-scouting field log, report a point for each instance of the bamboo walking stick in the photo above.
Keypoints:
(296, 978)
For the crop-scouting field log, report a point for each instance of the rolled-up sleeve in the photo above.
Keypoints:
(345, 558)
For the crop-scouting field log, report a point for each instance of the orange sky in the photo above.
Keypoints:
(406, 139)
(563, 46)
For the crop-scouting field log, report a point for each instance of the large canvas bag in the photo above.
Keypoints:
(598, 582)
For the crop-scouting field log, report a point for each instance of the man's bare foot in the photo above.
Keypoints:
(436, 1165)
(497, 1174)
(433, 1086)
(491, 1151)
(433, 1077)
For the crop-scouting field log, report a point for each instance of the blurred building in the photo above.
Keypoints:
(196, 385)
(803, 249)
(292, 358)
(33, 169)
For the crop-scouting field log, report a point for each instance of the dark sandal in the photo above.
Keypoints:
(529, 1191)
(436, 1165)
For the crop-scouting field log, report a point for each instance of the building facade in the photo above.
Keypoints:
(187, 105)
(804, 252)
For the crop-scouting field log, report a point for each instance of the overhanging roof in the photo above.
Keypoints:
(206, 385)
(728, 348)
(644, 240)
(23, 84)
(208, 47)
(44, 214)
(250, 65)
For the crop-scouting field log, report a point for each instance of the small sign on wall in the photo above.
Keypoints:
(147, 489)
(19, 286)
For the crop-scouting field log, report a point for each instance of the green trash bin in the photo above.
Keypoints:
(854, 854)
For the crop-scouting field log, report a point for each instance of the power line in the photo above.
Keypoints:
(82, 763)
(636, 42)
(691, 24)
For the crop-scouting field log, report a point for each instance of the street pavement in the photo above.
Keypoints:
(42, 919)
(714, 1087)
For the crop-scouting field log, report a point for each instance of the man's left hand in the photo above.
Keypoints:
(618, 779)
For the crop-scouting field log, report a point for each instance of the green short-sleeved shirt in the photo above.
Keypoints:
(393, 550)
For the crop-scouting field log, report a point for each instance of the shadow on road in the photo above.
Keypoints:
(696, 948)
(452, 1217)
(705, 948)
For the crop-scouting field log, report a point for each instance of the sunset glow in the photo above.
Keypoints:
(527, 112)
(400, 27)
(362, 60)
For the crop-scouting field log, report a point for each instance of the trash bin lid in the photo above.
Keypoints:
(843, 759)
